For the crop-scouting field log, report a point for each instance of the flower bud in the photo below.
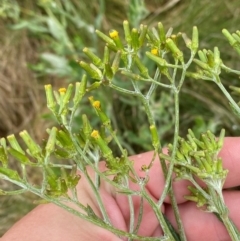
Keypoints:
(22, 158)
(206, 165)
(64, 138)
(92, 70)
(87, 128)
(106, 55)
(221, 139)
(162, 62)
(11, 174)
(152, 37)
(229, 37)
(65, 97)
(103, 117)
(51, 103)
(202, 56)
(93, 57)
(116, 61)
(142, 68)
(155, 137)
(195, 41)
(80, 90)
(51, 141)
(108, 71)
(115, 37)
(107, 152)
(233, 41)
(105, 38)
(212, 139)
(203, 65)
(187, 41)
(94, 86)
(210, 58)
(34, 149)
(194, 75)
(162, 34)
(217, 59)
(131, 75)
(219, 165)
(135, 39)
(235, 89)
(175, 50)
(142, 35)
(14, 144)
(127, 32)
(3, 156)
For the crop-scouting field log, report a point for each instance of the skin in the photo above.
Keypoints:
(50, 223)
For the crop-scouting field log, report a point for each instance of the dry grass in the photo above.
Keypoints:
(21, 103)
(19, 91)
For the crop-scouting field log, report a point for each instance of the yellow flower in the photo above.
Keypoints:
(154, 51)
(96, 104)
(95, 134)
(113, 34)
(62, 90)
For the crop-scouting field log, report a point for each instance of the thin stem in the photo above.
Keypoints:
(15, 192)
(229, 69)
(24, 173)
(205, 195)
(218, 202)
(98, 197)
(124, 91)
(168, 177)
(93, 219)
(170, 169)
(131, 209)
(230, 228)
(140, 216)
(158, 214)
(185, 67)
(157, 83)
(228, 96)
(60, 165)
(151, 90)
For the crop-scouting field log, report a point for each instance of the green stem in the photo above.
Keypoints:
(140, 216)
(170, 169)
(124, 91)
(157, 83)
(168, 177)
(98, 197)
(158, 214)
(15, 192)
(205, 195)
(230, 228)
(228, 96)
(131, 209)
(229, 69)
(215, 191)
(95, 220)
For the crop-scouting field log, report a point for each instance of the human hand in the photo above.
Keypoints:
(49, 222)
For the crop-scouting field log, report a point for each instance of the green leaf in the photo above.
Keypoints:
(57, 31)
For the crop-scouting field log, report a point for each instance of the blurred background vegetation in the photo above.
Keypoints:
(41, 41)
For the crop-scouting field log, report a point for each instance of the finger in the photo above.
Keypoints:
(149, 225)
(230, 154)
(200, 224)
(156, 181)
(51, 223)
